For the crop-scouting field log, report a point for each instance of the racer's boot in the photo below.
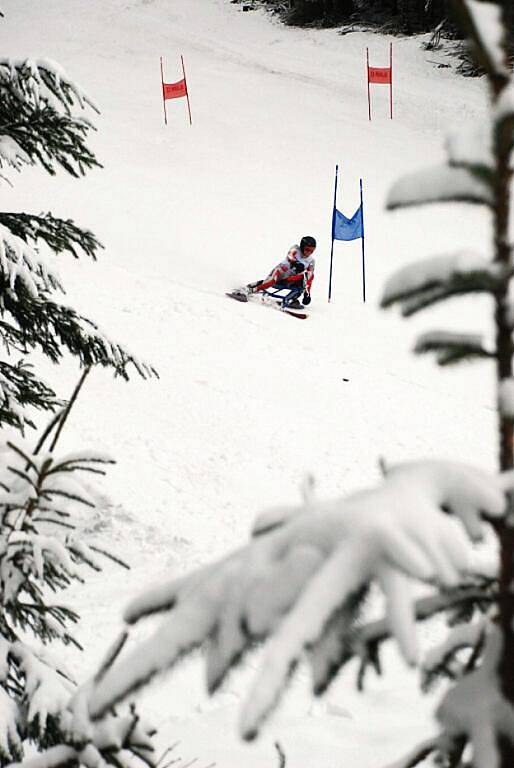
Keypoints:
(294, 304)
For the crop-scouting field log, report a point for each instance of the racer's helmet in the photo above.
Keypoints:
(307, 245)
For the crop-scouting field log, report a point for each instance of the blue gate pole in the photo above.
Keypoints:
(333, 224)
(362, 241)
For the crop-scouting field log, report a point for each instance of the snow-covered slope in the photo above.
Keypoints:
(248, 400)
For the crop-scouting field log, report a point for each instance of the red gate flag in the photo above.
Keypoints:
(174, 90)
(381, 76)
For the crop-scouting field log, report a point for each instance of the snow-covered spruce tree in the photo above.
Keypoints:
(39, 492)
(40, 554)
(38, 126)
(478, 171)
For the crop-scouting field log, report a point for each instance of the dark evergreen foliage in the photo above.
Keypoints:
(36, 112)
(59, 234)
(38, 126)
(409, 17)
(324, 12)
(25, 391)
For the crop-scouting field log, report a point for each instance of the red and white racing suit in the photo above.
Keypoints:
(287, 271)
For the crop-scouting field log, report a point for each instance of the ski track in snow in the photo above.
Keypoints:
(249, 401)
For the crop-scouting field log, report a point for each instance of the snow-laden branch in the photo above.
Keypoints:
(60, 235)
(108, 352)
(42, 81)
(51, 758)
(428, 281)
(471, 147)
(438, 185)
(47, 691)
(459, 637)
(38, 492)
(37, 119)
(12, 154)
(20, 264)
(362, 640)
(39, 495)
(10, 742)
(475, 708)
(97, 744)
(288, 584)
(451, 347)
(418, 754)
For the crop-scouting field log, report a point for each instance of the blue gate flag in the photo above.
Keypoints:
(347, 229)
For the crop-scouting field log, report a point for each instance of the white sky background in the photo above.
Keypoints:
(250, 400)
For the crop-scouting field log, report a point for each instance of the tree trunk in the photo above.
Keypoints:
(503, 256)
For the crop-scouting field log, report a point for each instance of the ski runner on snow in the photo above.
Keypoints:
(297, 270)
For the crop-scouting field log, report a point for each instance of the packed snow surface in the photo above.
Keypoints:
(249, 401)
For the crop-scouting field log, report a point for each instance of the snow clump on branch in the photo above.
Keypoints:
(290, 582)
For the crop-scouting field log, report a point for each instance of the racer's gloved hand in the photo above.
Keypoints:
(306, 299)
(298, 267)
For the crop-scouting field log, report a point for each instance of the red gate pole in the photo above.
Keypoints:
(391, 80)
(187, 91)
(367, 73)
(163, 99)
